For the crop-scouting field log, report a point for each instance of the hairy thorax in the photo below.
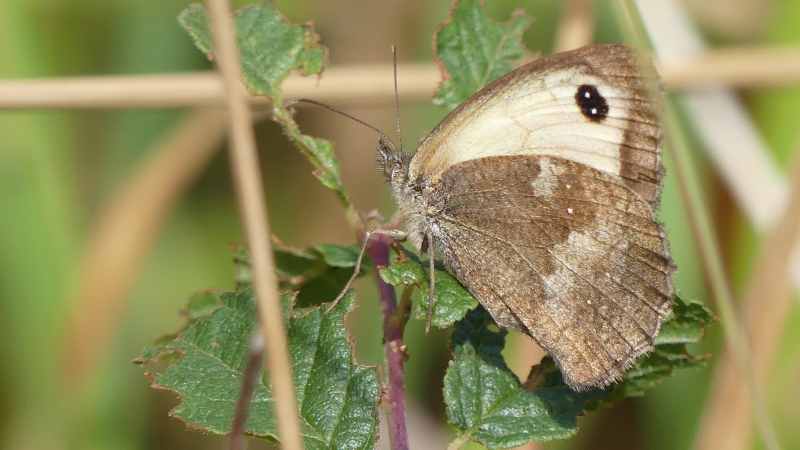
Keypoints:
(420, 206)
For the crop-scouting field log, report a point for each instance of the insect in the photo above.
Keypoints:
(539, 193)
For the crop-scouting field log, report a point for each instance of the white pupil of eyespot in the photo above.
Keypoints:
(594, 110)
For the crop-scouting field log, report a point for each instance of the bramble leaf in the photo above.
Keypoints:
(473, 50)
(337, 398)
(317, 274)
(270, 47)
(327, 269)
(195, 21)
(451, 300)
(487, 403)
(690, 328)
(485, 400)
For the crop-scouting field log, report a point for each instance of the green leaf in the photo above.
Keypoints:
(318, 151)
(195, 21)
(338, 256)
(203, 304)
(337, 398)
(271, 48)
(485, 400)
(316, 275)
(687, 323)
(474, 50)
(451, 300)
(487, 403)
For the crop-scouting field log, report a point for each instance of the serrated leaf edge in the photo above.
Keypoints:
(295, 314)
(443, 72)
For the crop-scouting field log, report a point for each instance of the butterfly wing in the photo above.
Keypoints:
(594, 105)
(562, 251)
(539, 192)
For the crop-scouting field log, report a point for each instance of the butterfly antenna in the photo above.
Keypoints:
(382, 135)
(396, 98)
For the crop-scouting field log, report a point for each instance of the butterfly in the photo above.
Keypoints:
(540, 193)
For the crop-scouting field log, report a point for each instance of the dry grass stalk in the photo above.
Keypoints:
(360, 85)
(248, 184)
(765, 307)
(369, 85)
(577, 26)
(742, 67)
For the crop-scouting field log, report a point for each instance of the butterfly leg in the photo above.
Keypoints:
(432, 266)
(396, 234)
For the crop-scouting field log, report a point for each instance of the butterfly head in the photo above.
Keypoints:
(393, 162)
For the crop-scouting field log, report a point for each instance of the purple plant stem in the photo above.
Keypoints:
(251, 374)
(395, 355)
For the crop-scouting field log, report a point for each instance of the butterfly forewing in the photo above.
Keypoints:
(533, 110)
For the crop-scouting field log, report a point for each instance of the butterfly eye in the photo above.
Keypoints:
(592, 104)
(384, 157)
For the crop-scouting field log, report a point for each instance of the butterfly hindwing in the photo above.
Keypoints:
(559, 250)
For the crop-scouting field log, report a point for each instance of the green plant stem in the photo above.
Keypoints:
(292, 130)
(459, 441)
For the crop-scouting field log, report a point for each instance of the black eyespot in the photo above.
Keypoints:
(592, 104)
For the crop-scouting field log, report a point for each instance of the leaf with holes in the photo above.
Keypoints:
(270, 47)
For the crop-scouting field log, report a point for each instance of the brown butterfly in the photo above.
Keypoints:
(539, 192)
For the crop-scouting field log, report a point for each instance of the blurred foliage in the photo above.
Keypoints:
(57, 169)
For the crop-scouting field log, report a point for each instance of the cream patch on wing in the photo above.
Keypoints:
(547, 181)
(535, 116)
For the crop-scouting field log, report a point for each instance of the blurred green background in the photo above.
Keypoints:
(59, 170)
